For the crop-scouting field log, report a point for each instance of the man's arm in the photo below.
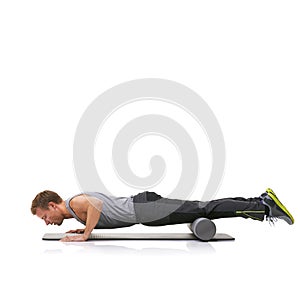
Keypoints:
(89, 210)
(93, 214)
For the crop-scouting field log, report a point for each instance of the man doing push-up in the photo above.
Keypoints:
(98, 211)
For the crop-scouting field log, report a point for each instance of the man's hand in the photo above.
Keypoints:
(74, 238)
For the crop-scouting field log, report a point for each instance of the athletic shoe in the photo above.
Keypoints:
(276, 209)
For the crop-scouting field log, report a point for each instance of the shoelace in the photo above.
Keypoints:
(271, 220)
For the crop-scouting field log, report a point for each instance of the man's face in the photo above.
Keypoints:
(51, 216)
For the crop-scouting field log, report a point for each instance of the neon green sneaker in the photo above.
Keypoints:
(276, 208)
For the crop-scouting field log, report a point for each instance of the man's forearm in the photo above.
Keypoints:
(93, 215)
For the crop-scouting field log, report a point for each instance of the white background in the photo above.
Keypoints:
(241, 57)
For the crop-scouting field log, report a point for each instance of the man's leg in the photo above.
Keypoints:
(154, 210)
(221, 208)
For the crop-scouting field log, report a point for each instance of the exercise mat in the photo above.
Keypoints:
(140, 236)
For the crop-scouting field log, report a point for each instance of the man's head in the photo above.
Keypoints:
(48, 206)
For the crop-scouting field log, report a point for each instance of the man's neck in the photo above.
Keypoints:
(64, 211)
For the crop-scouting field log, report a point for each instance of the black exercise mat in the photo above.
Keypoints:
(140, 236)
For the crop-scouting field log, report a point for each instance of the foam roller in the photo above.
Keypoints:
(204, 229)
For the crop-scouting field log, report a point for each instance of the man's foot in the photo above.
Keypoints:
(276, 208)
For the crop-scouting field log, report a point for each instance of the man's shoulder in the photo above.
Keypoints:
(79, 201)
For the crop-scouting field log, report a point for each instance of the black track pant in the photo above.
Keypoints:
(153, 210)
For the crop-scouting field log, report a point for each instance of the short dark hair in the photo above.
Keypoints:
(42, 200)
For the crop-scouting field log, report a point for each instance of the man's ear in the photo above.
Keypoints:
(52, 205)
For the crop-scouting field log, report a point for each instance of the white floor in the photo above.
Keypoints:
(262, 262)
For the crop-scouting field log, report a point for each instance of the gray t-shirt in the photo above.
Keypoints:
(116, 211)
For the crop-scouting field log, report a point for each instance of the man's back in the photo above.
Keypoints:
(116, 211)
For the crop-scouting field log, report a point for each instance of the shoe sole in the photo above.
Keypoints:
(271, 193)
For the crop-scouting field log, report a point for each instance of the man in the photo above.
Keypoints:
(96, 210)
